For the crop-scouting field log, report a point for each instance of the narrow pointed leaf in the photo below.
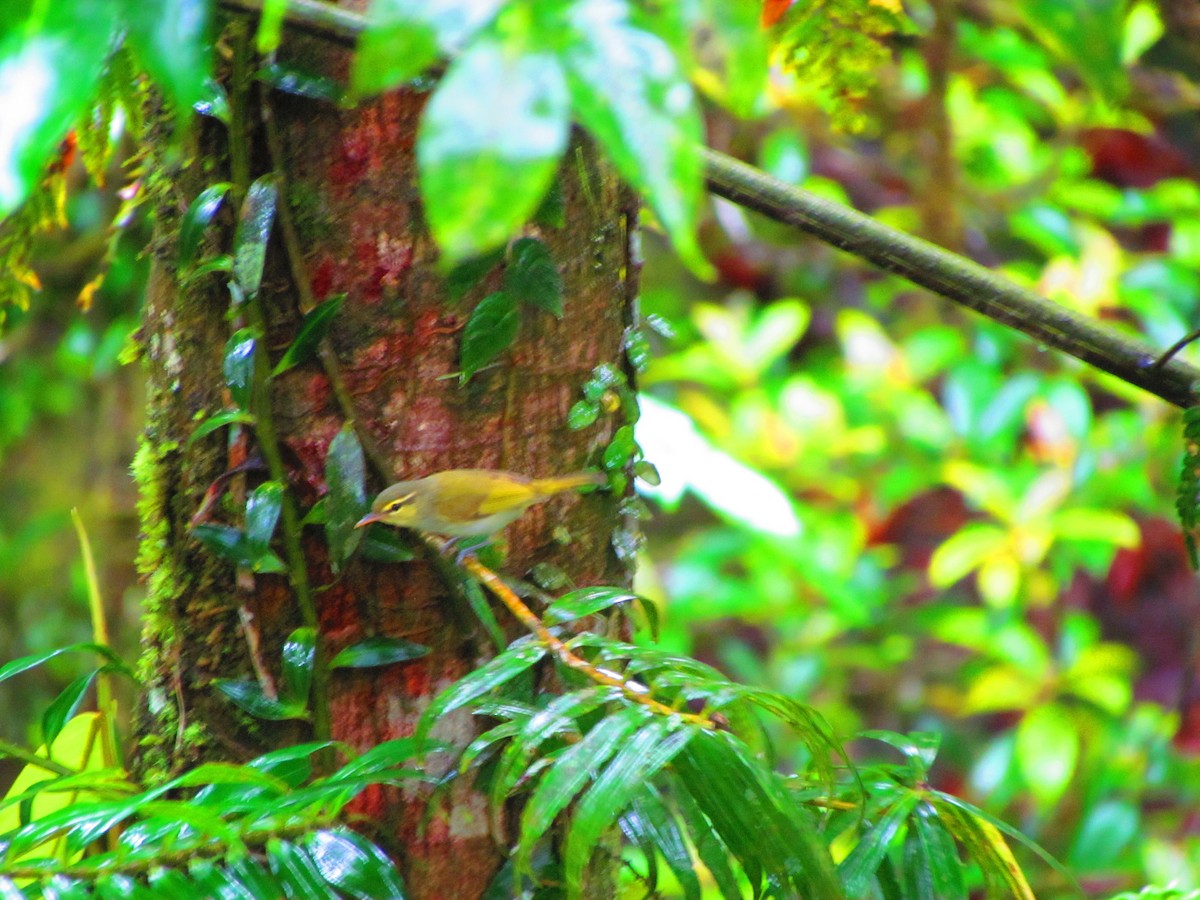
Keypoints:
(489, 331)
(248, 695)
(299, 654)
(253, 231)
(496, 672)
(385, 544)
(345, 474)
(614, 789)
(238, 365)
(574, 769)
(313, 328)
(295, 869)
(377, 651)
(858, 870)
(585, 602)
(353, 865)
(64, 706)
(945, 868)
(25, 663)
(220, 420)
(532, 276)
(262, 514)
(197, 218)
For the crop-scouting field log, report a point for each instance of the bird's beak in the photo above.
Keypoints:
(368, 519)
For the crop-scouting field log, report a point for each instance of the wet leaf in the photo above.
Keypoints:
(313, 328)
(490, 331)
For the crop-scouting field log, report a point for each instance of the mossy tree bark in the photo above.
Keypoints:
(351, 222)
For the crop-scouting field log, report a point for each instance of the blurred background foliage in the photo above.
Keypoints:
(902, 514)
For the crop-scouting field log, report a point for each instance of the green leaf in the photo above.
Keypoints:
(63, 707)
(945, 869)
(1085, 33)
(262, 514)
(385, 544)
(573, 769)
(255, 222)
(859, 868)
(353, 865)
(964, 552)
(478, 602)
(232, 545)
(470, 272)
(494, 673)
(170, 39)
(620, 450)
(238, 365)
(489, 142)
(248, 696)
(1047, 750)
(299, 655)
(54, 69)
(220, 420)
(296, 870)
(300, 83)
(313, 328)
(748, 810)
(663, 831)
(25, 663)
(404, 37)
(712, 851)
(270, 26)
(346, 503)
(560, 716)
(740, 42)
(585, 602)
(377, 651)
(532, 276)
(490, 331)
(582, 414)
(614, 788)
(197, 218)
(627, 90)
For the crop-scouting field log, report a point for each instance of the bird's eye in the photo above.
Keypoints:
(398, 503)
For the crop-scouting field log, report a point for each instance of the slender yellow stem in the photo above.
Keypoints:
(105, 703)
(515, 605)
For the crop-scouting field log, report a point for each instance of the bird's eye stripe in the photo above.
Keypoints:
(397, 503)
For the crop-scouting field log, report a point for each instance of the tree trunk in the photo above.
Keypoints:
(350, 222)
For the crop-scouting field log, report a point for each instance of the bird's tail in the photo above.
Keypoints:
(558, 484)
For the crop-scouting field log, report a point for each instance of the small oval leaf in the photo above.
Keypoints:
(377, 651)
(196, 219)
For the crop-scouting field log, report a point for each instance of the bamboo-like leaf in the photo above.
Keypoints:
(760, 825)
(560, 716)
(614, 788)
(385, 544)
(496, 672)
(939, 853)
(575, 768)
(712, 851)
(859, 868)
(585, 602)
(354, 866)
(666, 834)
(295, 870)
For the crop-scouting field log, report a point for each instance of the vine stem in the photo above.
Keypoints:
(527, 617)
(944, 273)
(268, 437)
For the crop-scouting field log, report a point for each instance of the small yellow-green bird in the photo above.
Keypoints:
(468, 502)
